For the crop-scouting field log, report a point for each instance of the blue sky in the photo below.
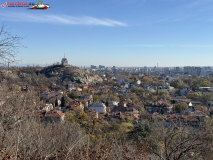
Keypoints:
(115, 32)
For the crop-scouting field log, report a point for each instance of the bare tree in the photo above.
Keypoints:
(9, 45)
(183, 142)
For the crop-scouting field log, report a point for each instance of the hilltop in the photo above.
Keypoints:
(71, 73)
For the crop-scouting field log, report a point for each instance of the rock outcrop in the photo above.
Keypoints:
(71, 73)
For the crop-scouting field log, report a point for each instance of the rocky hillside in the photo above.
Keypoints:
(71, 73)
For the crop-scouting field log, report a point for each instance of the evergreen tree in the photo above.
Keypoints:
(157, 90)
(56, 102)
(62, 102)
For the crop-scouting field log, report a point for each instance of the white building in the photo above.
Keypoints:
(138, 82)
(98, 106)
(112, 104)
(70, 87)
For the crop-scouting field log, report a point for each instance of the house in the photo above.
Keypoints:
(51, 116)
(119, 115)
(46, 107)
(87, 98)
(122, 104)
(184, 91)
(108, 109)
(44, 88)
(188, 101)
(206, 89)
(74, 105)
(126, 85)
(159, 107)
(173, 94)
(92, 114)
(79, 89)
(112, 104)
(181, 120)
(56, 88)
(146, 87)
(44, 99)
(70, 87)
(52, 100)
(200, 115)
(98, 106)
(119, 81)
(95, 90)
(83, 87)
(59, 94)
(45, 94)
(138, 82)
(120, 109)
(91, 89)
(132, 111)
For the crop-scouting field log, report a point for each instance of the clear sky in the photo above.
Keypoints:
(115, 32)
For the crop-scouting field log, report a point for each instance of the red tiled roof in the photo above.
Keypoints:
(54, 113)
(135, 116)
(181, 118)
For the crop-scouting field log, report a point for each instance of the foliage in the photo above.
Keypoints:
(206, 98)
(208, 122)
(204, 110)
(134, 99)
(197, 95)
(190, 96)
(86, 91)
(140, 108)
(73, 95)
(154, 98)
(96, 98)
(180, 107)
(164, 93)
(143, 132)
(177, 83)
(76, 116)
(135, 78)
(146, 80)
(114, 97)
(138, 91)
(63, 102)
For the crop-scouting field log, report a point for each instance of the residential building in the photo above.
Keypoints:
(112, 104)
(98, 106)
(101, 67)
(159, 107)
(51, 116)
(93, 67)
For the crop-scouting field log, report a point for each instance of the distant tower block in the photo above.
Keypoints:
(8, 64)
